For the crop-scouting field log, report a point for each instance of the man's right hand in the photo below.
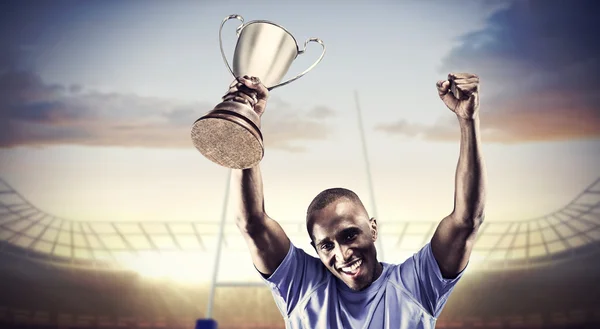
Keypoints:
(251, 91)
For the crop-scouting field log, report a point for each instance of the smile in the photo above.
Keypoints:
(353, 269)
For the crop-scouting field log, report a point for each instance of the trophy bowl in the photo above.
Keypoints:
(229, 135)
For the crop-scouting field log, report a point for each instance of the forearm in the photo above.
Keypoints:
(248, 186)
(469, 197)
(267, 242)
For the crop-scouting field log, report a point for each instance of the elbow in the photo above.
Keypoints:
(477, 220)
(250, 223)
(471, 219)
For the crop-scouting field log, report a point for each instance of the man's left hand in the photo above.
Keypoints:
(460, 93)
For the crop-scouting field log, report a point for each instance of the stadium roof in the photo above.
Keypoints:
(28, 232)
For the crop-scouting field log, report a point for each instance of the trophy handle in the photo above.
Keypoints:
(221, 39)
(308, 69)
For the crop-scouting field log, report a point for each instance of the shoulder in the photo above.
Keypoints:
(424, 264)
(419, 271)
(421, 277)
(298, 276)
(421, 262)
(298, 268)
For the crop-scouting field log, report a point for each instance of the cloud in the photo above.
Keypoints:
(439, 131)
(283, 125)
(35, 113)
(520, 121)
(538, 63)
(321, 112)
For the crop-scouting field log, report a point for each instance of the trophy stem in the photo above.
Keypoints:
(230, 136)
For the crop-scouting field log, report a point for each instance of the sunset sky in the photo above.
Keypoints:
(97, 99)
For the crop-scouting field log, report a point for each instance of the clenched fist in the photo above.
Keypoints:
(460, 93)
(249, 90)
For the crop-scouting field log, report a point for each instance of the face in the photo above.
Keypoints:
(344, 238)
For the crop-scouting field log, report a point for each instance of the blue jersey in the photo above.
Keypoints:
(410, 295)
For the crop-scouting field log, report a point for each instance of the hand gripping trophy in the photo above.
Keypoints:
(230, 135)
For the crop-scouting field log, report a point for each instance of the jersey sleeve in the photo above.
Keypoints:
(295, 277)
(422, 277)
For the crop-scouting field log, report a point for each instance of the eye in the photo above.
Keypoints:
(327, 246)
(351, 236)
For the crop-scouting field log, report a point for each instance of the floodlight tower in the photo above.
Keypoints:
(208, 322)
(368, 169)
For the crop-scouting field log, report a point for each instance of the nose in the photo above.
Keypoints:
(342, 254)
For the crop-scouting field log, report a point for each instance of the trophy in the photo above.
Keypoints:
(230, 135)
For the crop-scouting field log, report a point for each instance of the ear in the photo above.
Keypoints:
(373, 226)
(313, 245)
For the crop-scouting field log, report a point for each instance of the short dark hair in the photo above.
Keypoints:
(324, 199)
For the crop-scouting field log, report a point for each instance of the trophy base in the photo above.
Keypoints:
(230, 136)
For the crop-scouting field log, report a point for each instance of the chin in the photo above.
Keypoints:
(356, 286)
(360, 288)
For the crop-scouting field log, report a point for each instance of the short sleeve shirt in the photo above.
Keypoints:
(410, 295)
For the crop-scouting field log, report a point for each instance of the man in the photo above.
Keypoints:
(347, 287)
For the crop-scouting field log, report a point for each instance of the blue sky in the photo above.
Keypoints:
(97, 99)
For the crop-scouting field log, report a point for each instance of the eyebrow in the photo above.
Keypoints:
(351, 229)
(320, 242)
(342, 232)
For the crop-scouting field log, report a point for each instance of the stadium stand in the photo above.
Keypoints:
(58, 273)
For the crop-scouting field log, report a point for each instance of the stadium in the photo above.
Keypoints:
(109, 217)
(59, 273)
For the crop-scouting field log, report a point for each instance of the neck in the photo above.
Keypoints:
(376, 275)
(377, 272)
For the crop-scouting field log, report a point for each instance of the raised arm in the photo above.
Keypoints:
(453, 240)
(266, 240)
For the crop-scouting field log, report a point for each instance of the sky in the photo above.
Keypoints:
(97, 99)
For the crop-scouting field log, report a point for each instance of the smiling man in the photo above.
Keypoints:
(347, 287)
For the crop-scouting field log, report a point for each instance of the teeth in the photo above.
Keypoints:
(353, 267)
